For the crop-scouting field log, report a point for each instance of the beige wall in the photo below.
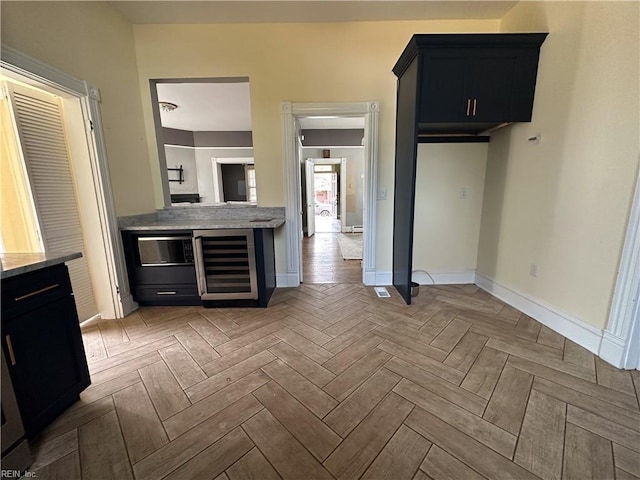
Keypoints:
(92, 42)
(447, 227)
(564, 203)
(315, 62)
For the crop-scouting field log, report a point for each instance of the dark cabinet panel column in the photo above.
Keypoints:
(405, 179)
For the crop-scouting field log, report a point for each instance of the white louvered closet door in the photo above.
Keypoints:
(41, 134)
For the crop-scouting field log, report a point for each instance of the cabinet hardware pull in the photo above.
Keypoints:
(468, 106)
(12, 357)
(475, 104)
(166, 293)
(42, 290)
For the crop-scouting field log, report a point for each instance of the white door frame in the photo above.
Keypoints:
(308, 207)
(621, 340)
(289, 112)
(342, 165)
(14, 62)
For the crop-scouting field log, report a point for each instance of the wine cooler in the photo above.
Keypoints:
(226, 264)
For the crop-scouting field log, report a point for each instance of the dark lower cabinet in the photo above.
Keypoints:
(173, 280)
(169, 279)
(43, 345)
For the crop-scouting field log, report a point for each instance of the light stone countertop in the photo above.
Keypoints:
(202, 224)
(14, 264)
(206, 218)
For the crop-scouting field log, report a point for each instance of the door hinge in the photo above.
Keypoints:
(118, 289)
(4, 93)
(91, 125)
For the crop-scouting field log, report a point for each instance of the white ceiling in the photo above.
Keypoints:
(266, 11)
(206, 106)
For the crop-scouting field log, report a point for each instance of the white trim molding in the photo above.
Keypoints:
(380, 278)
(440, 278)
(287, 280)
(444, 278)
(293, 210)
(573, 328)
(293, 226)
(16, 62)
(621, 345)
(32, 70)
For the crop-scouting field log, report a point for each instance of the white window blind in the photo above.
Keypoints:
(41, 134)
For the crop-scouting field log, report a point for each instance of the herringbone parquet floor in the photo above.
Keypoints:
(332, 382)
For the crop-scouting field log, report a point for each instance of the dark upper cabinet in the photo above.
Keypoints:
(469, 83)
(444, 86)
(453, 85)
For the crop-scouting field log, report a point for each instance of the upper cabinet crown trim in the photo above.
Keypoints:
(465, 40)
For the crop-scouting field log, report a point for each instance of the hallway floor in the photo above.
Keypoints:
(322, 261)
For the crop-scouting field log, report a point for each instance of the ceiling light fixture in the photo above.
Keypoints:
(167, 106)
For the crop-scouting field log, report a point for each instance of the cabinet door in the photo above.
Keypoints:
(46, 361)
(445, 86)
(492, 85)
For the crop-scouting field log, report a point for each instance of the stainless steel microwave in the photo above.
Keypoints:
(165, 251)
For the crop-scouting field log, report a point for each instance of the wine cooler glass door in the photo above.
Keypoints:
(226, 264)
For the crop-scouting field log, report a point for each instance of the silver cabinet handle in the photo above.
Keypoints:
(166, 293)
(475, 104)
(468, 106)
(199, 261)
(37, 292)
(12, 356)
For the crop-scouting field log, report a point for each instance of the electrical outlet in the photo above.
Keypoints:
(464, 193)
(533, 270)
(382, 194)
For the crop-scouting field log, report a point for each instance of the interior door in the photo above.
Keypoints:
(311, 198)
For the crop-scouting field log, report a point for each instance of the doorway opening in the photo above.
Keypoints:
(74, 211)
(294, 115)
(323, 190)
(329, 256)
(327, 200)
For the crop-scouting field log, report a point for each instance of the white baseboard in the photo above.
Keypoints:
(287, 280)
(445, 278)
(90, 321)
(570, 327)
(612, 349)
(383, 278)
(128, 304)
(370, 277)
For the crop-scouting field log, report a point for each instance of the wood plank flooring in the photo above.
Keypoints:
(331, 382)
(322, 261)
